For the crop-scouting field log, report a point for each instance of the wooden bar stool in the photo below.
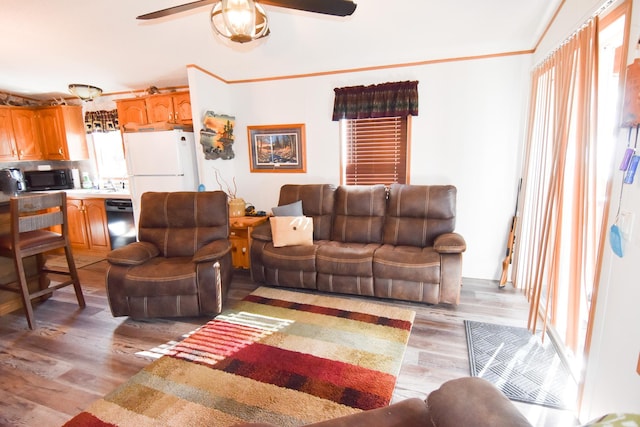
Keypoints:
(32, 217)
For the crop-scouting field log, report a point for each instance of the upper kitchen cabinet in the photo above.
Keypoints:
(8, 150)
(132, 111)
(182, 108)
(25, 125)
(172, 107)
(62, 133)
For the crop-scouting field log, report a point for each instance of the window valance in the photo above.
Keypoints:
(381, 100)
(101, 121)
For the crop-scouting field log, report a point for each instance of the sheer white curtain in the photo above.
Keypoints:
(559, 227)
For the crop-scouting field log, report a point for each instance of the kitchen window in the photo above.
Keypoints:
(109, 155)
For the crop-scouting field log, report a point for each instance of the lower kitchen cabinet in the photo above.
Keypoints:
(88, 225)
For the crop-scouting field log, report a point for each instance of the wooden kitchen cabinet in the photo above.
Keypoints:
(87, 220)
(62, 133)
(132, 111)
(42, 133)
(8, 150)
(26, 132)
(174, 107)
(160, 108)
(240, 238)
(182, 108)
(171, 108)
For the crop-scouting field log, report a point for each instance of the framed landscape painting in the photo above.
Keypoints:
(277, 148)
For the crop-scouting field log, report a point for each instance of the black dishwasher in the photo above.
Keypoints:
(122, 229)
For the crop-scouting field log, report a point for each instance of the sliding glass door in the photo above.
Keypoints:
(573, 124)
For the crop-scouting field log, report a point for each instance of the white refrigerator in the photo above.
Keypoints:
(160, 161)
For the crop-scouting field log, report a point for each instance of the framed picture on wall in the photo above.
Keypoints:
(277, 148)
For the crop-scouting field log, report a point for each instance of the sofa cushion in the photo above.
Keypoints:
(289, 266)
(317, 202)
(292, 209)
(417, 214)
(408, 273)
(299, 257)
(291, 231)
(359, 214)
(162, 276)
(346, 259)
(407, 263)
(180, 232)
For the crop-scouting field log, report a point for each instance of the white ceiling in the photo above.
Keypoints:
(48, 44)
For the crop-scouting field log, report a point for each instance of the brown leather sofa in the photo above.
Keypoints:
(397, 243)
(464, 402)
(181, 263)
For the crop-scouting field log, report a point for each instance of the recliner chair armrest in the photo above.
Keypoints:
(262, 232)
(212, 251)
(450, 243)
(472, 401)
(135, 253)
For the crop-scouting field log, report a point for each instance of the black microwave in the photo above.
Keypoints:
(54, 179)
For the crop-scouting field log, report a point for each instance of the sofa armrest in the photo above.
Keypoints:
(212, 251)
(450, 243)
(262, 232)
(409, 412)
(134, 253)
(472, 401)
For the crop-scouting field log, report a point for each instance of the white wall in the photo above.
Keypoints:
(611, 383)
(210, 95)
(468, 133)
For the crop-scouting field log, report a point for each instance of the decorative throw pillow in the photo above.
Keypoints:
(291, 231)
(292, 209)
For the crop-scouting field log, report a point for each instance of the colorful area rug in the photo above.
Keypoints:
(520, 364)
(281, 357)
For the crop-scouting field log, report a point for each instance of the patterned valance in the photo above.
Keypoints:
(382, 100)
(101, 121)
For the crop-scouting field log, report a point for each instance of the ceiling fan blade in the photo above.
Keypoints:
(176, 9)
(327, 7)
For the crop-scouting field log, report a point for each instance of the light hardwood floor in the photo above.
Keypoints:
(76, 356)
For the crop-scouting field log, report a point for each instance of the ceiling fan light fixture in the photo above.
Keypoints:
(85, 92)
(240, 21)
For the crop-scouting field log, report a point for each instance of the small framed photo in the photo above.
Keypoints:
(277, 148)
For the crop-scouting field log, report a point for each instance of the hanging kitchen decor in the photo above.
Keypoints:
(217, 137)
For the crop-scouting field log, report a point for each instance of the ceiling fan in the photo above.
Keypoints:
(245, 20)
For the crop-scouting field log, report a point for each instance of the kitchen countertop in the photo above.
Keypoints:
(98, 194)
(81, 194)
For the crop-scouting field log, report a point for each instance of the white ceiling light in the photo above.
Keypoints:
(240, 21)
(85, 92)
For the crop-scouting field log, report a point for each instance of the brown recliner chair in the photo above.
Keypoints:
(181, 263)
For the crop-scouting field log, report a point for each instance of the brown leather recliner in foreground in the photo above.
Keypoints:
(181, 263)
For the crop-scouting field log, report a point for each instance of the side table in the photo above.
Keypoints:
(240, 237)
